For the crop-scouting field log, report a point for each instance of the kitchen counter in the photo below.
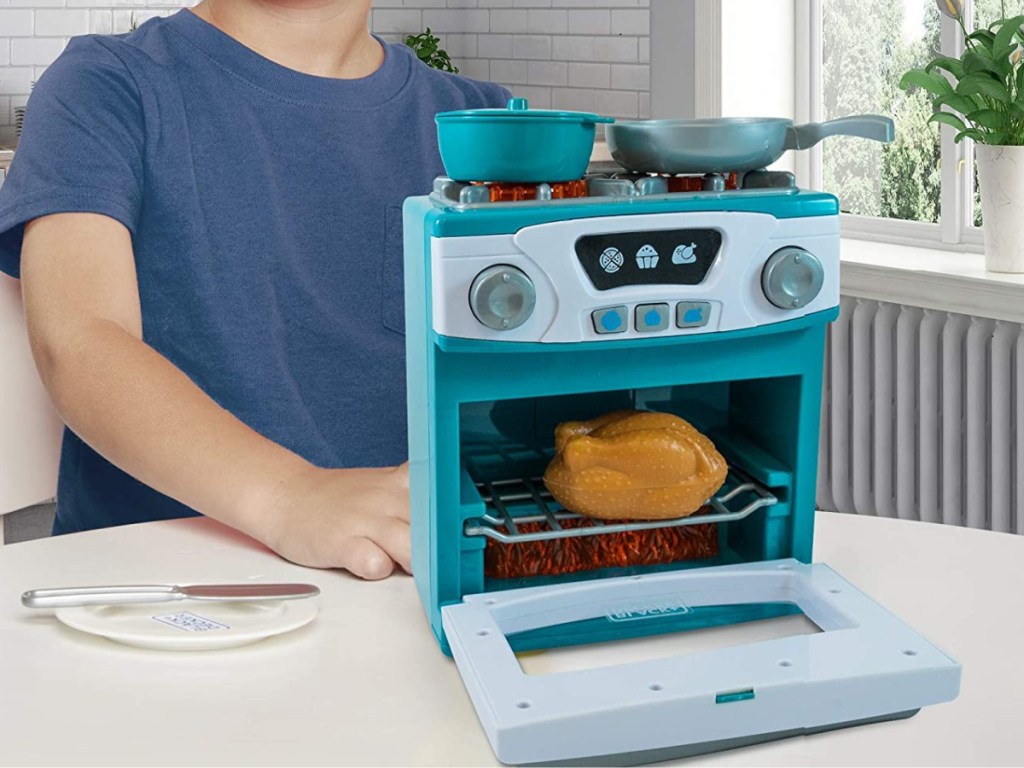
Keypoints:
(365, 684)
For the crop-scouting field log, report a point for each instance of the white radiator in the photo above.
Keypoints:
(923, 416)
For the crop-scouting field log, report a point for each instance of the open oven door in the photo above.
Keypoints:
(865, 666)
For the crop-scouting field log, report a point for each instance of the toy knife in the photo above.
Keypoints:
(163, 593)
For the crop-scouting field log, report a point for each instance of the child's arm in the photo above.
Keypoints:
(147, 417)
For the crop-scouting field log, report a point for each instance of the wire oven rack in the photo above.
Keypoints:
(739, 497)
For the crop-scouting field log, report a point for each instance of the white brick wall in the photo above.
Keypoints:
(565, 54)
(568, 54)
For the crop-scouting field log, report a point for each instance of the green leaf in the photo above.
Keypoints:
(955, 67)
(970, 133)
(983, 39)
(948, 118)
(976, 62)
(1005, 35)
(980, 84)
(961, 104)
(988, 118)
(933, 83)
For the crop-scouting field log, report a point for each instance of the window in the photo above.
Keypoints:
(922, 187)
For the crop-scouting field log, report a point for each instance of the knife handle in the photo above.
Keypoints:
(76, 596)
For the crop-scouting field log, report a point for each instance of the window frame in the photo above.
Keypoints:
(955, 229)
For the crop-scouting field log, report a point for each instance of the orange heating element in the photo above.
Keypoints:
(556, 557)
(502, 192)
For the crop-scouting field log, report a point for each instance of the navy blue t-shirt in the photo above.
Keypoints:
(265, 211)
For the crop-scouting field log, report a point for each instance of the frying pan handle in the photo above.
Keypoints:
(874, 127)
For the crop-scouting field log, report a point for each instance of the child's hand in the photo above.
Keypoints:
(357, 519)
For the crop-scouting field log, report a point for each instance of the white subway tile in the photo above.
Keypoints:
(35, 50)
(596, 3)
(5, 55)
(548, 73)
(387, 4)
(457, 20)
(617, 103)
(615, 49)
(478, 69)
(101, 22)
(645, 106)
(424, 4)
(578, 99)
(495, 46)
(461, 4)
(631, 22)
(64, 22)
(548, 22)
(105, 3)
(572, 49)
(510, 20)
(631, 77)
(40, 3)
(590, 22)
(539, 97)
(16, 22)
(17, 81)
(394, 20)
(510, 71)
(644, 52)
(532, 3)
(461, 46)
(589, 75)
(531, 47)
(495, 3)
(123, 20)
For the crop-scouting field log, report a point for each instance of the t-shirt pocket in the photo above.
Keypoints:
(393, 272)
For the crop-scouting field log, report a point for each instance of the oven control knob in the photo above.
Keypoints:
(792, 278)
(502, 297)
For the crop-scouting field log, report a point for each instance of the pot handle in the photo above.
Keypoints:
(873, 127)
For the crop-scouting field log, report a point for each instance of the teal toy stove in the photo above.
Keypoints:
(711, 305)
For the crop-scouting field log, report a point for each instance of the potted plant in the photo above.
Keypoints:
(426, 45)
(981, 95)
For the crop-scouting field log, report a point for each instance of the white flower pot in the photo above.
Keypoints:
(1001, 182)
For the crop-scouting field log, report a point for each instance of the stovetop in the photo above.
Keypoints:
(608, 182)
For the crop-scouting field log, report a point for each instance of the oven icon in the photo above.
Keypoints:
(685, 254)
(647, 257)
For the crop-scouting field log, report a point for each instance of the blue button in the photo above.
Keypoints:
(609, 320)
(692, 314)
(651, 317)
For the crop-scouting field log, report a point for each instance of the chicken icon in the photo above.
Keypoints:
(647, 257)
(685, 254)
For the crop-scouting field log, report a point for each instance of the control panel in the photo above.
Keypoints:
(634, 276)
(671, 257)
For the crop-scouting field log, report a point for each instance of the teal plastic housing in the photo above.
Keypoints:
(483, 410)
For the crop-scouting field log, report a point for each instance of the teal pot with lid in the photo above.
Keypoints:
(516, 144)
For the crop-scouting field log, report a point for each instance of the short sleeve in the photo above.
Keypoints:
(81, 148)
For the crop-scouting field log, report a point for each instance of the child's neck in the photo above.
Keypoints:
(328, 38)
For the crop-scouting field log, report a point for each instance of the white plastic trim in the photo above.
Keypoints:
(866, 663)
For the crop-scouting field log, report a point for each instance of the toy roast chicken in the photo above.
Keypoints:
(633, 465)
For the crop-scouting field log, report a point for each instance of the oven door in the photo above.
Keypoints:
(865, 666)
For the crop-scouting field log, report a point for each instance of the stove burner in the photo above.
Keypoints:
(610, 181)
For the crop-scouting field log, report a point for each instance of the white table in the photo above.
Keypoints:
(366, 684)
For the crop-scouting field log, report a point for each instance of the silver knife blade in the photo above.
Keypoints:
(255, 591)
(161, 593)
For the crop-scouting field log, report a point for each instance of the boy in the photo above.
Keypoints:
(206, 218)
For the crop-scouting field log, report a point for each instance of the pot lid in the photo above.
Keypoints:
(519, 109)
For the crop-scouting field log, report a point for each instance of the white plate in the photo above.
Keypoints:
(190, 625)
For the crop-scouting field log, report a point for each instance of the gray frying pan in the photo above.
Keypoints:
(721, 145)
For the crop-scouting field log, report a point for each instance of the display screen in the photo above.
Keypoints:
(667, 257)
